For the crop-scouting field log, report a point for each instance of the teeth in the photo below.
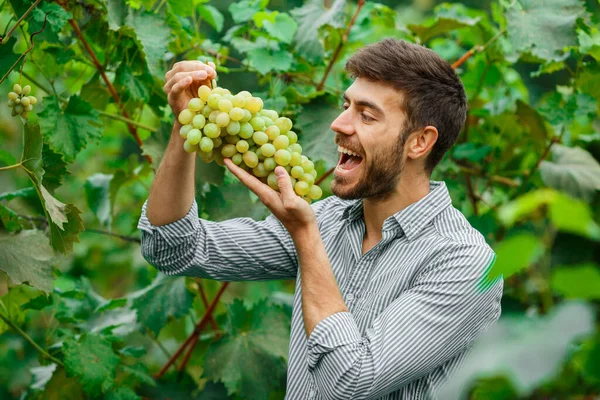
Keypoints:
(346, 151)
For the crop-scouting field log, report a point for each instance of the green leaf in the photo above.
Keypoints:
(183, 8)
(40, 376)
(573, 216)
(590, 42)
(13, 300)
(471, 151)
(133, 351)
(516, 254)
(317, 137)
(38, 303)
(139, 373)
(265, 61)
(117, 12)
(572, 170)
(97, 192)
(531, 118)
(166, 297)
(92, 360)
(448, 17)
(7, 57)
(21, 193)
(27, 257)
(55, 168)
(56, 18)
(283, 28)
(311, 16)
(581, 281)
(250, 358)
(10, 220)
(122, 393)
(62, 239)
(132, 87)
(31, 159)
(544, 28)
(242, 11)
(153, 35)
(6, 158)
(69, 131)
(211, 15)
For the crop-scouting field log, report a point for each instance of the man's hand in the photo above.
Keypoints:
(292, 211)
(183, 80)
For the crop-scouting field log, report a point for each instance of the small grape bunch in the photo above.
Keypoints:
(20, 101)
(218, 124)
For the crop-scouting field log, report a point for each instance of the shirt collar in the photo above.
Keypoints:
(413, 218)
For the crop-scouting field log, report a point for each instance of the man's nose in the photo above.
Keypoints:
(343, 123)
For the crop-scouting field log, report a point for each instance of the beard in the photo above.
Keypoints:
(380, 175)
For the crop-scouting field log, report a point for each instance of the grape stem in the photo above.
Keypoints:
(29, 10)
(19, 165)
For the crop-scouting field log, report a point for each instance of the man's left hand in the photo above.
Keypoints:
(291, 210)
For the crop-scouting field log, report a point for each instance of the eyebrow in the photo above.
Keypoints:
(365, 103)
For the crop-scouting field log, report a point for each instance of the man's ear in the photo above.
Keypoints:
(420, 143)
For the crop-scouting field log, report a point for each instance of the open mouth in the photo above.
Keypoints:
(349, 160)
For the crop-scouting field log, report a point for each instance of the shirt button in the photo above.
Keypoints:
(350, 296)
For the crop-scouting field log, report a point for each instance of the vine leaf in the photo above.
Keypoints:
(516, 254)
(448, 17)
(92, 360)
(264, 60)
(69, 131)
(545, 28)
(122, 393)
(211, 15)
(242, 11)
(572, 170)
(283, 28)
(311, 17)
(97, 192)
(250, 358)
(55, 168)
(7, 57)
(10, 220)
(317, 137)
(580, 281)
(152, 35)
(166, 297)
(27, 257)
(61, 387)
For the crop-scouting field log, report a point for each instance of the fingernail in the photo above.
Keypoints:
(201, 74)
(279, 171)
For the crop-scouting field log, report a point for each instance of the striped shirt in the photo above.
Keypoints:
(416, 300)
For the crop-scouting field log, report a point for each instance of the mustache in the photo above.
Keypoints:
(340, 141)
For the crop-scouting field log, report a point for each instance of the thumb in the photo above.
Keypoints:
(284, 182)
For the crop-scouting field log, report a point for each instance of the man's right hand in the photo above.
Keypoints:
(183, 80)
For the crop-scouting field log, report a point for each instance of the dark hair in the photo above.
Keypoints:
(433, 93)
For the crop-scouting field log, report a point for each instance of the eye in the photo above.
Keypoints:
(366, 118)
(345, 106)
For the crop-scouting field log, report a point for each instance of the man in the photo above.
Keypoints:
(389, 275)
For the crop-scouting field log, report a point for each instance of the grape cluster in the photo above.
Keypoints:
(221, 125)
(19, 100)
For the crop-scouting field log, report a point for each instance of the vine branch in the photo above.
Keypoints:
(476, 49)
(343, 41)
(30, 9)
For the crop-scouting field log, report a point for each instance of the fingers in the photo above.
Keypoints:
(178, 88)
(285, 183)
(265, 193)
(198, 76)
(190, 66)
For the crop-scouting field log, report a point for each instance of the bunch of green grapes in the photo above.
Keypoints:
(19, 100)
(220, 125)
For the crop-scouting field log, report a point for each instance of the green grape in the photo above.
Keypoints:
(222, 119)
(206, 111)
(185, 117)
(242, 146)
(301, 188)
(296, 148)
(284, 124)
(283, 157)
(268, 150)
(271, 114)
(238, 101)
(28, 108)
(247, 116)
(293, 180)
(228, 150)
(260, 170)
(281, 142)
(296, 160)
(183, 131)
(272, 181)
(32, 100)
(217, 142)
(219, 159)
(18, 101)
(11, 103)
(213, 100)
(260, 138)
(212, 130)
(228, 96)
(13, 95)
(206, 144)
(308, 178)
(250, 159)
(223, 133)
(268, 121)
(194, 136)
(260, 155)
(288, 168)
(245, 94)
(246, 130)
(203, 93)
(213, 116)
(270, 163)
(315, 192)
(313, 173)
(307, 165)
(233, 128)
(232, 139)
(219, 90)
(199, 121)
(18, 108)
(195, 104)
(257, 123)
(250, 142)
(272, 132)
(189, 147)
(17, 88)
(236, 114)
(253, 104)
(237, 159)
(292, 136)
(297, 172)
(225, 105)
(207, 157)
(25, 101)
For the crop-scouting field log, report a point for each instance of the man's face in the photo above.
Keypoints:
(371, 126)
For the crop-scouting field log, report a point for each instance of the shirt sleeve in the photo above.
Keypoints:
(435, 320)
(238, 249)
